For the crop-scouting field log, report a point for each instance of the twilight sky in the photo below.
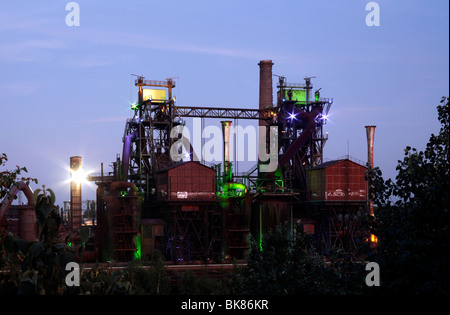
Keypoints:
(66, 91)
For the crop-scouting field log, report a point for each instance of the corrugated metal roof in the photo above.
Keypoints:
(325, 165)
(330, 163)
(181, 164)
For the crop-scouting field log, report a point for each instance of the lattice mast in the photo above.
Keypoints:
(294, 106)
(147, 138)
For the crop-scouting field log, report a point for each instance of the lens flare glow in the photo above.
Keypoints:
(134, 106)
(78, 176)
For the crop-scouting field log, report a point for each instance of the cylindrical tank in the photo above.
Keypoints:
(27, 218)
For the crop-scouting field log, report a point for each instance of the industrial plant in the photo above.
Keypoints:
(160, 194)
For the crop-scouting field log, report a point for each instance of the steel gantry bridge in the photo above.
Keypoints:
(225, 113)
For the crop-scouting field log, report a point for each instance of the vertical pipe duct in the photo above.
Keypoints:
(6, 203)
(75, 193)
(126, 154)
(27, 214)
(226, 127)
(370, 132)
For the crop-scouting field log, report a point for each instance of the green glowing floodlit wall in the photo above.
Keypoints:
(232, 190)
(297, 95)
(138, 252)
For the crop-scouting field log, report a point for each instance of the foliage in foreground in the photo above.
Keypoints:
(412, 216)
(283, 264)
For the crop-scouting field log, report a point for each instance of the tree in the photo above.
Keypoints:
(33, 267)
(412, 215)
(285, 265)
(42, 263)
(9, 178)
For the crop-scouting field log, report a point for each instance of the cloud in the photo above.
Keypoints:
(132, 40)
(29, 50)
(24, 88)
(26, 23)
(47, 35)
(85, 61)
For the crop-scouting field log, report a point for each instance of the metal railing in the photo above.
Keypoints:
(160, 83)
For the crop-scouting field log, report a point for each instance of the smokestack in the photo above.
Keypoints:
(370, 131)
(265, 86)
(226, 127)
(265, 100)
(75, 193)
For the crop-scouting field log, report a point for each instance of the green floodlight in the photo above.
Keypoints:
(138, 243)
(134, 106)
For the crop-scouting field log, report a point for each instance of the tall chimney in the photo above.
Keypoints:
(75, 193)
(265, 86)
(265, 101)
(226, 127)
(370, 132)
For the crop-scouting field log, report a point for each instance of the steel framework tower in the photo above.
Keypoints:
(300, 120)
(147, 138)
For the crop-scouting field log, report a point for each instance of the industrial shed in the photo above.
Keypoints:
(186, 202)
(336, 197)
(337, 180)
(188, 181)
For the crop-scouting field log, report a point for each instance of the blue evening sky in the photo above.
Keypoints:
(66, 91)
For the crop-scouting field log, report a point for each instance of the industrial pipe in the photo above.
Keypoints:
(27, 215)
(14, 190)
(305, 137)
(126, 153)
(370, 132)
(226, 127)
